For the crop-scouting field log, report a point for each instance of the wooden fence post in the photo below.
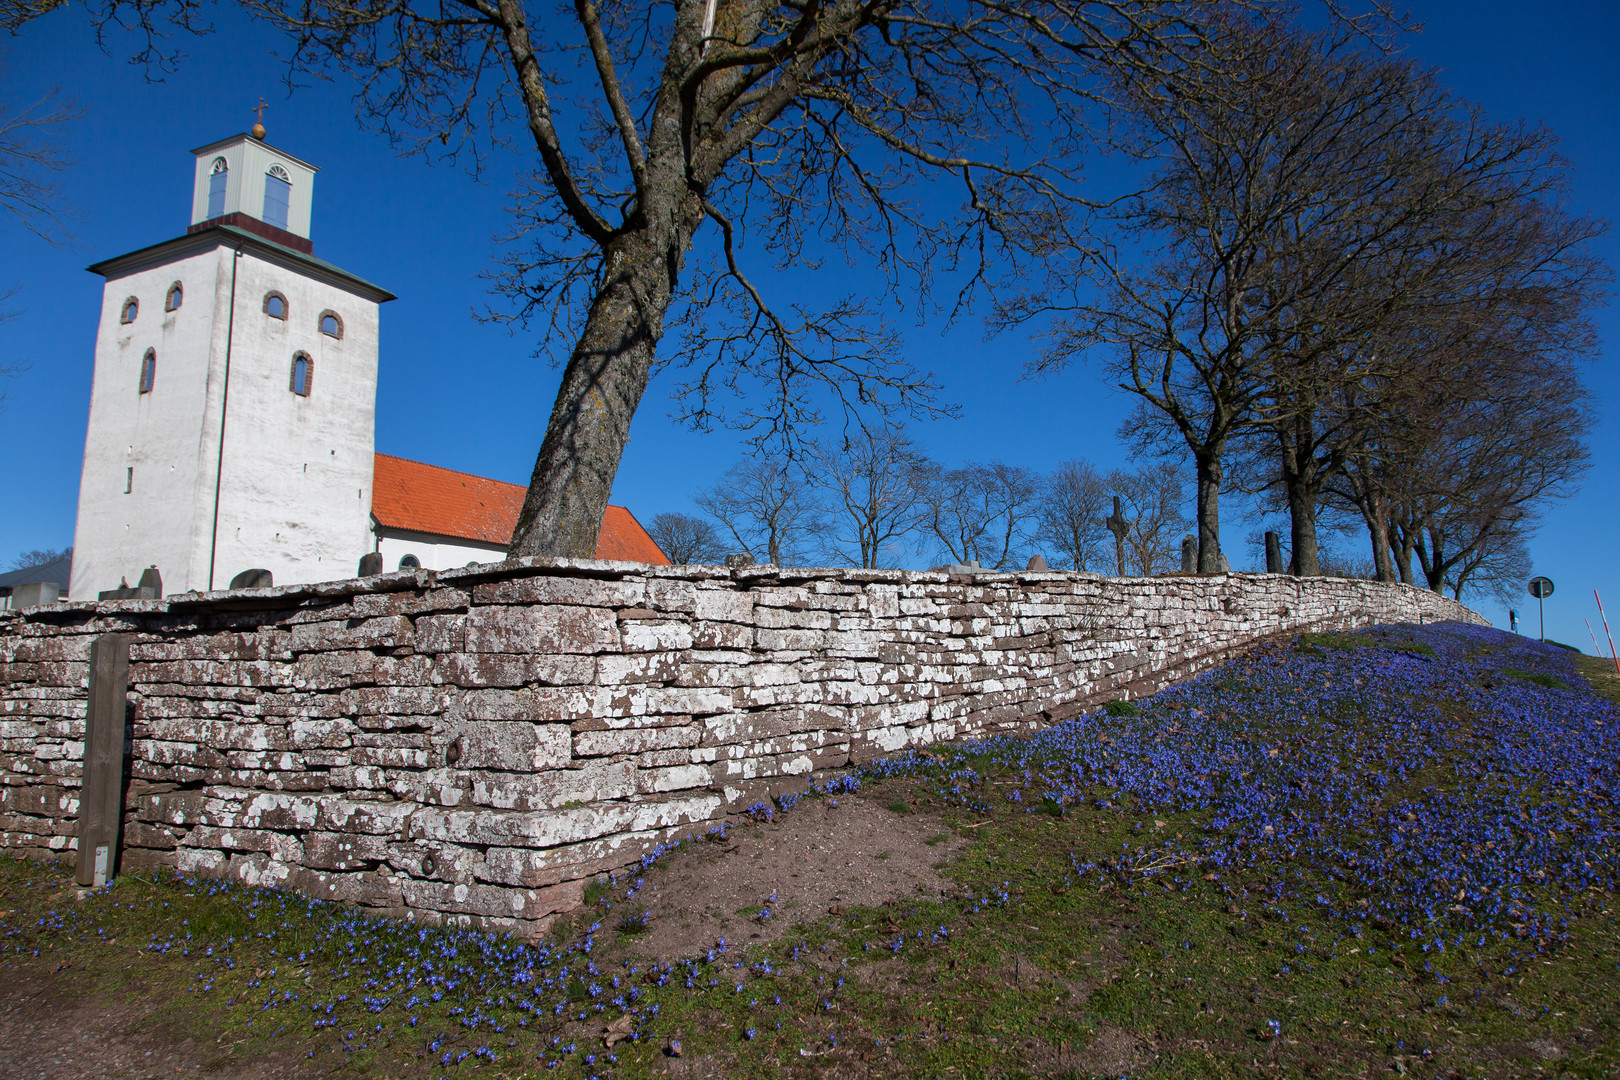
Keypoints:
(101, 797)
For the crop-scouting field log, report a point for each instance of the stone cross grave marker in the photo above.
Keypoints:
(1274, 563)
(1120, 528)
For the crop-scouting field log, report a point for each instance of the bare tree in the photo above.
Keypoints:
(655, 127)
(1499, 567)
(983, 513)
(30, 162)
(1290, 180)
(1154, 497)
(1072, 509)
(686, 540)
(1489, 471)
(40, 557)
(767, 508)
(12, 370)
(872, 484)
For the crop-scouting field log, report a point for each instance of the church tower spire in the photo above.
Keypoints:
(246, 182)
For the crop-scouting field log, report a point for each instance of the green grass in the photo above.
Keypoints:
(1540, 678)
(1036, 973)
(1323, 643)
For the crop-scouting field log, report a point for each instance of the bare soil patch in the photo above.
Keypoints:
(51, 1028)
(851, 851)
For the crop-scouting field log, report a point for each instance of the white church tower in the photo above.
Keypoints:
(233, 400)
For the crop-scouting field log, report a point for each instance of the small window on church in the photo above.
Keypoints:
(172, 301)
(128, 312)
(148, 371)
(217, 179)
(277, 196)
(410, 562)
(275, 305)
(302, 372)
(331, 325)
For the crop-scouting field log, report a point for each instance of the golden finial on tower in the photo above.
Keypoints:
(258, 123)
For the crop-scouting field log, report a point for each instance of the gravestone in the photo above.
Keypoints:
(738, 561)
(35, 594)
(1274, 560)
(101, 799)
(370, 564)
(256, 578)
(1037, 565)
(149, 588)
(1120, 528)
(1189, 555)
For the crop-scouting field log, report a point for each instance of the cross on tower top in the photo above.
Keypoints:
(258, 122)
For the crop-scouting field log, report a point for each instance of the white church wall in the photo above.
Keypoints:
(152, 444)
(433, 552)
(296, 499)
(295, 491)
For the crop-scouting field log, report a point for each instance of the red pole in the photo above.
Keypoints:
(1606, 632)
(1596, 649)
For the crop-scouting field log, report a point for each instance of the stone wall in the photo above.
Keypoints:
(472, 745)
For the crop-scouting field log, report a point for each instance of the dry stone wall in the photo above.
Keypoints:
(473, 745)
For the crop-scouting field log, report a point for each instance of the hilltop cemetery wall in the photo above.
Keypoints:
(472, 745)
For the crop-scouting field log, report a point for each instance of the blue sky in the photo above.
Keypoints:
(468, 395)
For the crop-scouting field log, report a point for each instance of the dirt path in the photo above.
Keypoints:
(850, 850)
(53, 1026)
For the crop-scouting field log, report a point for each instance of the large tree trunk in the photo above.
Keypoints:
(1375, 512)
(1209, 511)
(1300, 481)
(1402, 550)
(1401, 545)
(1433, 561)
(607, 374)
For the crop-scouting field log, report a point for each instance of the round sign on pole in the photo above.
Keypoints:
(1541, 587)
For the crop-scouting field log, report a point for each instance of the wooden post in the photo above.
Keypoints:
(101, 798)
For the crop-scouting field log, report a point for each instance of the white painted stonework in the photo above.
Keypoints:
(433, 552)
(293, 473)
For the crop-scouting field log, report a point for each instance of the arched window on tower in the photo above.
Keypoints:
(410, 562)
(127, 313)
(303, 371)
(148, 371)
(275, 305)
(277, 196)
(176, 295)
(331, 325)
(218, 176)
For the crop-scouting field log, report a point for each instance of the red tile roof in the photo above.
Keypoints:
(425, 498)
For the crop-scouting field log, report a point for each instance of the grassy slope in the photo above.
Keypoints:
(1366, 853)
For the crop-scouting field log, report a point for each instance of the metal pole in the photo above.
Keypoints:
(1542, 611)
(1606, 632)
